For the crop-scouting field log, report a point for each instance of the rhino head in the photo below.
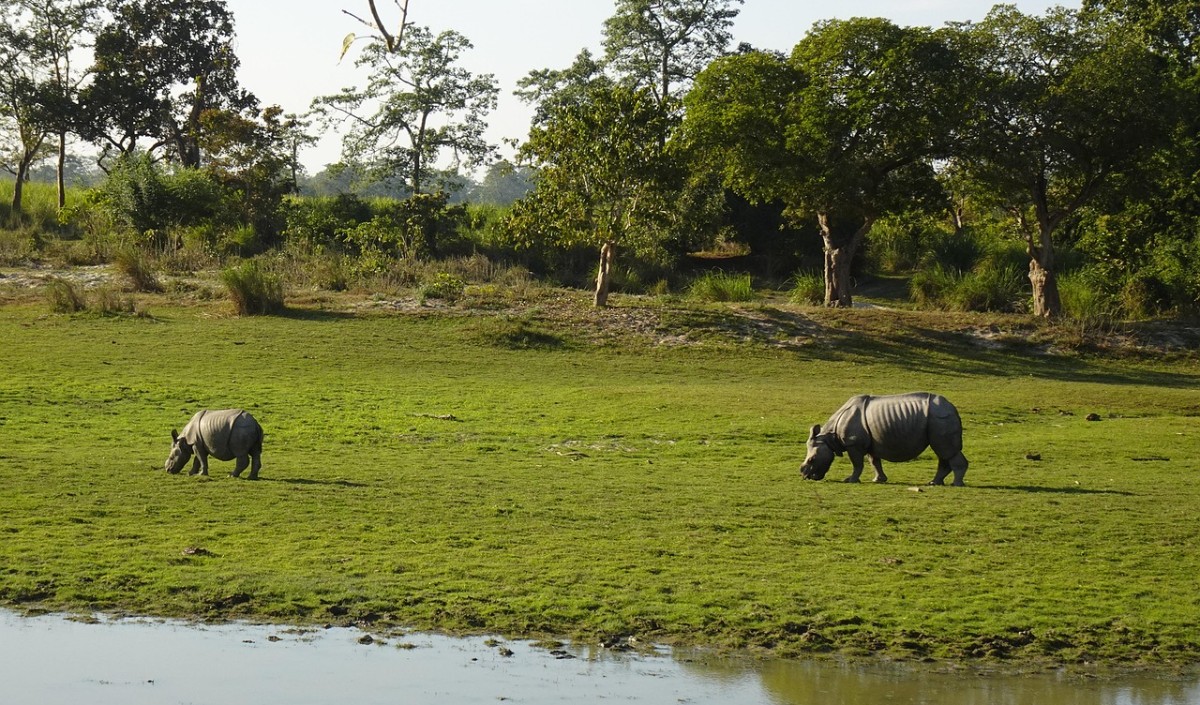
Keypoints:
(819, 457)
(181, 452)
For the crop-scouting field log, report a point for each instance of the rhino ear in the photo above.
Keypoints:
(813, 432)
(174, 436)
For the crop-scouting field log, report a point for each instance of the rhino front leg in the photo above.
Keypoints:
(878, 465)
(195, 465)
(202, 459)
(856, 460)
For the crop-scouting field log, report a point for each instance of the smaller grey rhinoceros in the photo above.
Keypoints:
(225, 434)
(894, 428)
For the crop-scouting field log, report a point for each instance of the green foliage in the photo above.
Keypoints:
(663, 45)
(603, 176)
(990, 286)
(253, 288)
(149, 56)
(443, 286)
(316, 221)
(146, 199)
(418, 105)
(808, 288)
(722, 286)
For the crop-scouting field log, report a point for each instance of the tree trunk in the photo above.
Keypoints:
(604, 275)
(61, 169)
(18, 189)
(839, 257)
(1043, 276)
(1046, 301)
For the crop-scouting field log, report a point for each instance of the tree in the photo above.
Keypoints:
(548, 90)
(602, 179)
(662, 44)
(1067, 103)
(25, 115)
(417, 106)
(159, 65)
(843, 131)
(503, 184)
(60, 28)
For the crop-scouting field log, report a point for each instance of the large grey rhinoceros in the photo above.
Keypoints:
(225, 434)
(894, 428)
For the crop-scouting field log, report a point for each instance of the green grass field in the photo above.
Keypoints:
(417, 473)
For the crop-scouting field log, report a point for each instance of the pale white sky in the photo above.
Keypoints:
(289, 48)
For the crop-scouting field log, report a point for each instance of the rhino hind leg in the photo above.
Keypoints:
(243, 461)
(956, 464)
(878, 465)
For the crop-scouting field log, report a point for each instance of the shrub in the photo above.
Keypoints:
(446, 287)
(253, 289)
(134, 265)
(109, 302)
(722, 286)
(990, 288)
(808, 288)
(64, 297)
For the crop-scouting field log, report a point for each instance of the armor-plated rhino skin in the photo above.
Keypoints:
(895, 428)
(225, 434)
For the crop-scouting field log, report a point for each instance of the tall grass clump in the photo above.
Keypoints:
(64, 297)
(135, 267)
(808, 289)
(722, 286)
(253, 289)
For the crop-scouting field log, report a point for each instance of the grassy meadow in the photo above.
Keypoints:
(490, 474)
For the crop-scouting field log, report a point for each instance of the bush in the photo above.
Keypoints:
(808, 288)
(253, 289)
(446, 287)
(64, 297)
(722, 286)
(134, 265)
(109, 302)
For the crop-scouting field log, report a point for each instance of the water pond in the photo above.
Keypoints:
(53, 660)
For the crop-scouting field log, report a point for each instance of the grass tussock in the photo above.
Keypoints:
(722, 287)
(135, 266)
(64, 296)
(253, 289)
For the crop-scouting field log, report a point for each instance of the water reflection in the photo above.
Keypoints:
(51, 660)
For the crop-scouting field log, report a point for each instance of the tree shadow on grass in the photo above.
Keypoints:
(1053, 490)
(315, 315)
(957, 352)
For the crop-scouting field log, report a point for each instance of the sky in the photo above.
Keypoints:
(289, 48)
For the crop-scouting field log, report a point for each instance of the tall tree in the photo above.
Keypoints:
(61, 28)
(24, 114)
(662, 44)
(843, 131)
(159, 65)
(602, 178)
(418, 106)
(1067, 103)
